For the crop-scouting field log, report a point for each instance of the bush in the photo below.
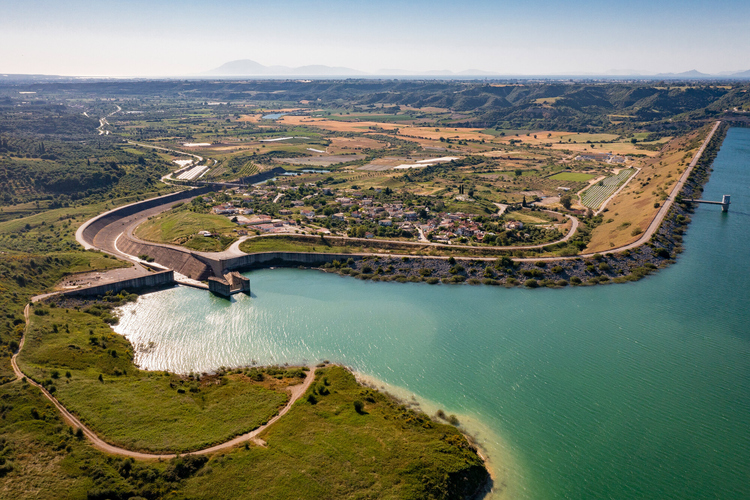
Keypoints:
(532, 283)
(603, 266)
(359, 406)
(575, 280)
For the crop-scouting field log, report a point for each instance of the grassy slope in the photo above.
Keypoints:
(22, 276)
(288, 244)
(635, 207)
(137, 409)
(325, 450)
(179, 226)
(572, 176)
(328, 450)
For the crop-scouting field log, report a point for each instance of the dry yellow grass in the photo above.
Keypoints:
(634, 208)
(335, 126)
(347, 144)
(620, 148)
(473, 134)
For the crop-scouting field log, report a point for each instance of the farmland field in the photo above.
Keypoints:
(595, 195)
(572, 176)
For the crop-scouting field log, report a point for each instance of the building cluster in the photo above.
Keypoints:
(352, 209)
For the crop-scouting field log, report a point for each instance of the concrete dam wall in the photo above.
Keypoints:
(98, 224)
(185, 263)
(164, 278)
(267, 259)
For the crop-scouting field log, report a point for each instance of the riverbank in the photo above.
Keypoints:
(504, 480)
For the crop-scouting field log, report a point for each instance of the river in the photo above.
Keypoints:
(632, 391)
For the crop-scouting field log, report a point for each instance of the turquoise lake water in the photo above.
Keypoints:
(633, 391)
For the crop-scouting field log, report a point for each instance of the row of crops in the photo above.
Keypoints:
(596, 194)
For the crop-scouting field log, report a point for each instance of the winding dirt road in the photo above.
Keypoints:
(296, 392)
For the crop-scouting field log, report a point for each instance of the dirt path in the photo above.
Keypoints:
(296, 392)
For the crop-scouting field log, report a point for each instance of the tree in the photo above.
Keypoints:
(566, 200)
(359, 406)
(519, 172)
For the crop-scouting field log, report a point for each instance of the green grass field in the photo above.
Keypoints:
(28, 275)
(572, 176)
(321, 450)
(327, 449)
(180, 227)
(132, 408)
(289, 244)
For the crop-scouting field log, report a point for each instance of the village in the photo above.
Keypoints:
(376, 213)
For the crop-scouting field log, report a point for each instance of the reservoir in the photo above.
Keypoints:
(632, 391)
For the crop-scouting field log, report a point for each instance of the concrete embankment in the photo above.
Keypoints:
(281, 259)
(89, 231)
(184, 262)
(155, 280)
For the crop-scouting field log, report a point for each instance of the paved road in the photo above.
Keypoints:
(652, 228)
(296, 392)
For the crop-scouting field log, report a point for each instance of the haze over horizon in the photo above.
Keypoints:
(169, 38)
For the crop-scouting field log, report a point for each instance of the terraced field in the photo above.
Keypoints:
(594, 196)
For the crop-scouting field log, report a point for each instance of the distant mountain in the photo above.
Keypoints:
(475, 72)
(742, 74)
(693, 73)
(247, 67)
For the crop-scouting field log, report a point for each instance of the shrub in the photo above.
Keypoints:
(433, 281)
(603, 266)
(359, 406)
(532, 283)
(575, 280)
(557, 269)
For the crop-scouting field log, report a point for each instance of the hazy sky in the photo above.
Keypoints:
(166, 38)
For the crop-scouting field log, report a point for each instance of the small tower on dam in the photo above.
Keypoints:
(725, 203)
(229, 284)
